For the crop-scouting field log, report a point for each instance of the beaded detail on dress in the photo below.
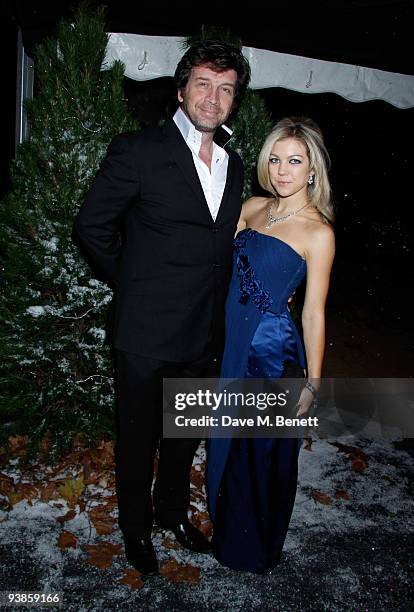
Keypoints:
(250, 286)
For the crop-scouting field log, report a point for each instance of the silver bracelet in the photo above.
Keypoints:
(311, 388)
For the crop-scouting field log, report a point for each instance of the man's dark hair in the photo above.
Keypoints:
(217, 56)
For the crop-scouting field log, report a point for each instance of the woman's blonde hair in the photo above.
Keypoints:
(308, 132)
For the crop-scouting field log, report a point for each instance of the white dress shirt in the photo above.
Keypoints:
(213, 182)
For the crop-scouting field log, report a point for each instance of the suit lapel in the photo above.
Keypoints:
(183, 157)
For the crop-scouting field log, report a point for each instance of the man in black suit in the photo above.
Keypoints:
(159, 223)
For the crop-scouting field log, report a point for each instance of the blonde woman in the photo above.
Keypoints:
(282, 239)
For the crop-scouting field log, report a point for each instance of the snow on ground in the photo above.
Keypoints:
(347, 548)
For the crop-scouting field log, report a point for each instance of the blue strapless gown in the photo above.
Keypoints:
(251, 483)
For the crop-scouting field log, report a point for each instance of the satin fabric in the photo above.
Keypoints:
(275, 342)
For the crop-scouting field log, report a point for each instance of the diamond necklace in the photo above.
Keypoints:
(271, 220)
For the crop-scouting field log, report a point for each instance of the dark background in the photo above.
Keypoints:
(370, 143)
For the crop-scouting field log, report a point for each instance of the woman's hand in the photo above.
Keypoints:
(305, 402)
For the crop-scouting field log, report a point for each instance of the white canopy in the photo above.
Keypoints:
(150, 57)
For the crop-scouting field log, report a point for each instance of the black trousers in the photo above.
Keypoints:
(139, 433)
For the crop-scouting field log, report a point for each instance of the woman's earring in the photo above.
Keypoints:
(311, 179)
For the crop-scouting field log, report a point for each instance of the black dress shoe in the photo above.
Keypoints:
(189, 537)
(140, 553)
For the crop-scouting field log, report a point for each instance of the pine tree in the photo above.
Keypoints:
(57, 375)
(251, 126)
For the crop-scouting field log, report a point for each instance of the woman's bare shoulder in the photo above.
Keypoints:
(320, 236)
(253, 205)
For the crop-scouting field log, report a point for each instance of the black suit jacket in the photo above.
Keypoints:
(146, 226)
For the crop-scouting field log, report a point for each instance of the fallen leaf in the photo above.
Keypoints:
(341, 494)
(49, 492)
(20, 491)
(101, 554)
(308, 444)
(67, 540)
(103, 523)
(132, 578)
(201, 520)
(111, 502)
(71, 490)
(194, 511)
(28, 490)
(359, 464)
(107, 547)
(169, 543)
(15, 497)
(93, 478)
(66, 517)
(322, 498)
(111, 482)
(201, 516)
(177, 572)
(18, 445)
(100, 560)
(206, 528)
(197, 478)
(359, 459)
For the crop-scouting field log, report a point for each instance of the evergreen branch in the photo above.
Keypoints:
(75, 318)
(93, 376)
(83, 125)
